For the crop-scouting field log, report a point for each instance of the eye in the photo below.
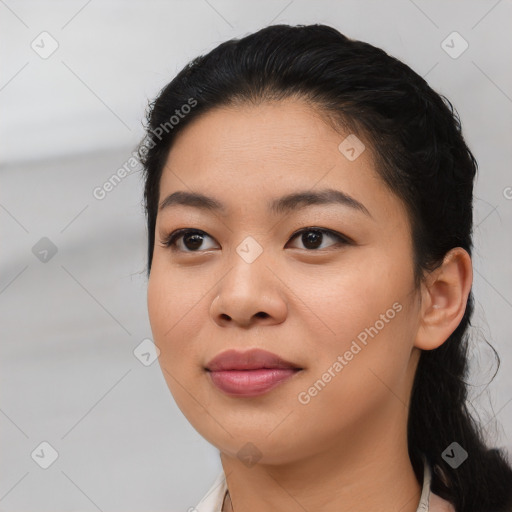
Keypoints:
(192, 239)
(312, 237)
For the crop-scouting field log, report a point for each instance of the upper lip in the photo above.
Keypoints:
(253, 359)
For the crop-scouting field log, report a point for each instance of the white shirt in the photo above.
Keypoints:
(429, 502)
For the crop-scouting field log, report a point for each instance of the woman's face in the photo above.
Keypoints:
(344, 312)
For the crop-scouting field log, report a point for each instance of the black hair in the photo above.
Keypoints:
(419, 152)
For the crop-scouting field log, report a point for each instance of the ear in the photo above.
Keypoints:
(444, 296)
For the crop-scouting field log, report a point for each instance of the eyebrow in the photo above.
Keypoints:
(282, 205)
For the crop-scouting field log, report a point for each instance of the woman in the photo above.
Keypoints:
(309, 207)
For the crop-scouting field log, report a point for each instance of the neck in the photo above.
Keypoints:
(372, 471)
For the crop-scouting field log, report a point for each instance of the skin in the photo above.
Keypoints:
(346, 449)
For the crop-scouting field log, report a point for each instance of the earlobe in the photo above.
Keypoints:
(444, 295)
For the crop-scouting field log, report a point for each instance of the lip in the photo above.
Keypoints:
(250, 373)
(254, 359)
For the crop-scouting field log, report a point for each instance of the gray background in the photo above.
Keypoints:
(70, 324)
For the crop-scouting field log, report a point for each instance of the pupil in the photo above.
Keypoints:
(196, 240)
(311, 237)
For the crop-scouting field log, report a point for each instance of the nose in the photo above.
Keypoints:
(249, 294)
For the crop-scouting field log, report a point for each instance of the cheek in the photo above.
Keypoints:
(171, 309)
(178, 310)
(345, 301)
(353, 381)
(170, 303)
(363, 315)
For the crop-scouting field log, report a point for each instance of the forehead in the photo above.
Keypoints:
(251, 153)
(288, 130)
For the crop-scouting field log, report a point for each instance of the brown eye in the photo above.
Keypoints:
(191, 239)
(312, 238)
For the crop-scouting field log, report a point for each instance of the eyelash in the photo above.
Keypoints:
(170, 240)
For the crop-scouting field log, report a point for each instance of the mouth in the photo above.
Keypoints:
(251, 373)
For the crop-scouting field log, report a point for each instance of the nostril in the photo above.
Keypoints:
(262, 314)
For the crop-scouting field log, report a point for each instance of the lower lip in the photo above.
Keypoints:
(250, 382)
